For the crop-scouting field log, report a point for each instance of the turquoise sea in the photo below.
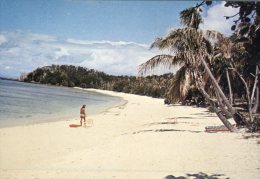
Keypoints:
(26, 103)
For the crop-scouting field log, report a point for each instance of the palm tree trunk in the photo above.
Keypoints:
(249, 103)
(230, 89)
(215, 83)
(239, 119)
(213, 105)
(222, 107)
(219, 113)
(255, 83)
(256, 105)
(225, 121)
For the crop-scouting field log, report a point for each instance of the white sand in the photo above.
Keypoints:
(143, 139)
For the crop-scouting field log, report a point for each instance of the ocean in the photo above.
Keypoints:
(26, 103)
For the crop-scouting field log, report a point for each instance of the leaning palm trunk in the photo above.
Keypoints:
(217, 87)
(255, 92)
(249, 102)
(237, 117)
(219, 112)
(256, 105)
(229, 88)
(255, 83)
(222, 107)
(225, 121)
(213, 104)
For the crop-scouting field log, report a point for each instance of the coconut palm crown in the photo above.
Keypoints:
(186, 45)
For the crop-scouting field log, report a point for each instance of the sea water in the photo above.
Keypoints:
(26, 103)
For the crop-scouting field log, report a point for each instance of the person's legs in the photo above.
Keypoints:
(81, 118)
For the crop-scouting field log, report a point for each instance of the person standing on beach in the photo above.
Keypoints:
(82, 114)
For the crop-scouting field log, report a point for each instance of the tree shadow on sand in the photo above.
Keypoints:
(159, 123)
(199, 175)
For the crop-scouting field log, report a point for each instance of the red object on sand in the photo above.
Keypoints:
(75, 125)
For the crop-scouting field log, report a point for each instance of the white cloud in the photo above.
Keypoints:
(24, 51)
(40, 37)
(2, 39)
(214, 18)
(105, 42)
(62, 52)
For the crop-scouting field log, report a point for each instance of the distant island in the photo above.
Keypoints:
(5, 78)
(76, 76)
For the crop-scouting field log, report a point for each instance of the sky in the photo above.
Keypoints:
(109, 36)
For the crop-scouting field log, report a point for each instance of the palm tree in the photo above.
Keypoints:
(192, 49)
(238, 59)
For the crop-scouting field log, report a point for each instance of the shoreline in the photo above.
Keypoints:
(141, 139)
(122, 103)
(64, 115)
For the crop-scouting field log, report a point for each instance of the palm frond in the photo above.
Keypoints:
(158, 60)
(180, 85)
(213, 34)
(191, 17)
(156, 43)
(170, 41)
(223, 48)
(185, 40)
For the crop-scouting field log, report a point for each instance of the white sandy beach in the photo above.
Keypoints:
(142, 139)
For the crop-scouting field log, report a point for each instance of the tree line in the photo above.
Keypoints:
(156, 86)
(76, 76)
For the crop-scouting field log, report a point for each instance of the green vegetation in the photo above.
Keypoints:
(72, 76)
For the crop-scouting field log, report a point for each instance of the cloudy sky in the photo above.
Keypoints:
(110, 36)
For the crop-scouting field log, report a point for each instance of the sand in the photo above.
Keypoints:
(142, 139)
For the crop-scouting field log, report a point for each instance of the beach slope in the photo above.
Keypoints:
(141, 139)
